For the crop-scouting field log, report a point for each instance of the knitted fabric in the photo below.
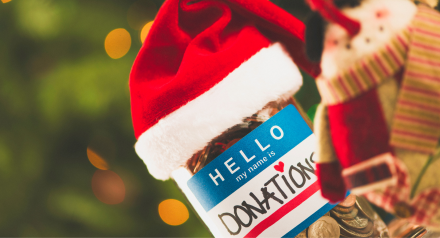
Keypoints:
(365, 74)
(416, 124)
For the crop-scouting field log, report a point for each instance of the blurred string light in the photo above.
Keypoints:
(173, 212)
(108, 187)
(141, 12)
(117, 43)
(96, 160)
(145, 31)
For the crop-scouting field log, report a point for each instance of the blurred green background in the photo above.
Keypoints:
(64, 103)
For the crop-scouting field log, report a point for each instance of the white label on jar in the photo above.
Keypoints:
(265, 184)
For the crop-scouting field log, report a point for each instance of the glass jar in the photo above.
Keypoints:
(265, 185)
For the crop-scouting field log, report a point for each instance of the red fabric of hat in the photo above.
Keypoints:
(206, 65)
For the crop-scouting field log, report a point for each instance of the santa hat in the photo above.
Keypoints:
(205, 66)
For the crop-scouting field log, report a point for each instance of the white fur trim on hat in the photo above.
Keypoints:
(266, 76)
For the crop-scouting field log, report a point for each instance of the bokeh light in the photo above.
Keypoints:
(117, 43)
(141, 12)
(97, 160)
(145, 31)
(108, 187)
(173, 212)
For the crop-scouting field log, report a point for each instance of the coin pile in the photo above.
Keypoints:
(221, 143)
(355, 217)
(228, 138)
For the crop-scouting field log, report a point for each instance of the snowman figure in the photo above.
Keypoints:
(378, 125)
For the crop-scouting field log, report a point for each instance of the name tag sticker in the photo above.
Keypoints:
(265, 184)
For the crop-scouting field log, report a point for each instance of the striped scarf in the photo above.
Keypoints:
(416, 122)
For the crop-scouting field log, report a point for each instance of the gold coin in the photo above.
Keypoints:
(403, 210)
(348, 216)
(343, 209)
(350, 233)
(356, 223)
(324, 227)
(365, 207)
(348, 202)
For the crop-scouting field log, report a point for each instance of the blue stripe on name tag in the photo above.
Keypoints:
(294, 131)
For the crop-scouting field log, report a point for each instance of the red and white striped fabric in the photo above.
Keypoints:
(423, 207)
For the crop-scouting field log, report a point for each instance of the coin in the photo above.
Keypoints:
(397, 226)
(403, 210)
(365, 207)
(343, 209)
(407, 231)
(348, 216)
(324, 227)
(418, 232)
(348, 202)
(350, 233)
(421, 233)
(356, 223)
(413, 232)
(376, 233)
(381, 228)
(303, 234)
(365, 230)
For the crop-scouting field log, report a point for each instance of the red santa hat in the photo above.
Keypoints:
(205, 66)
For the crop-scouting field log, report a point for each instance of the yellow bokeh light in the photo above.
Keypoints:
(117, 43)
(145, 31)
(97, 160)
(5, 1)
(173, 212)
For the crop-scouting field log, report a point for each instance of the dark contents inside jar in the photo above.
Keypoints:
(228, 138)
